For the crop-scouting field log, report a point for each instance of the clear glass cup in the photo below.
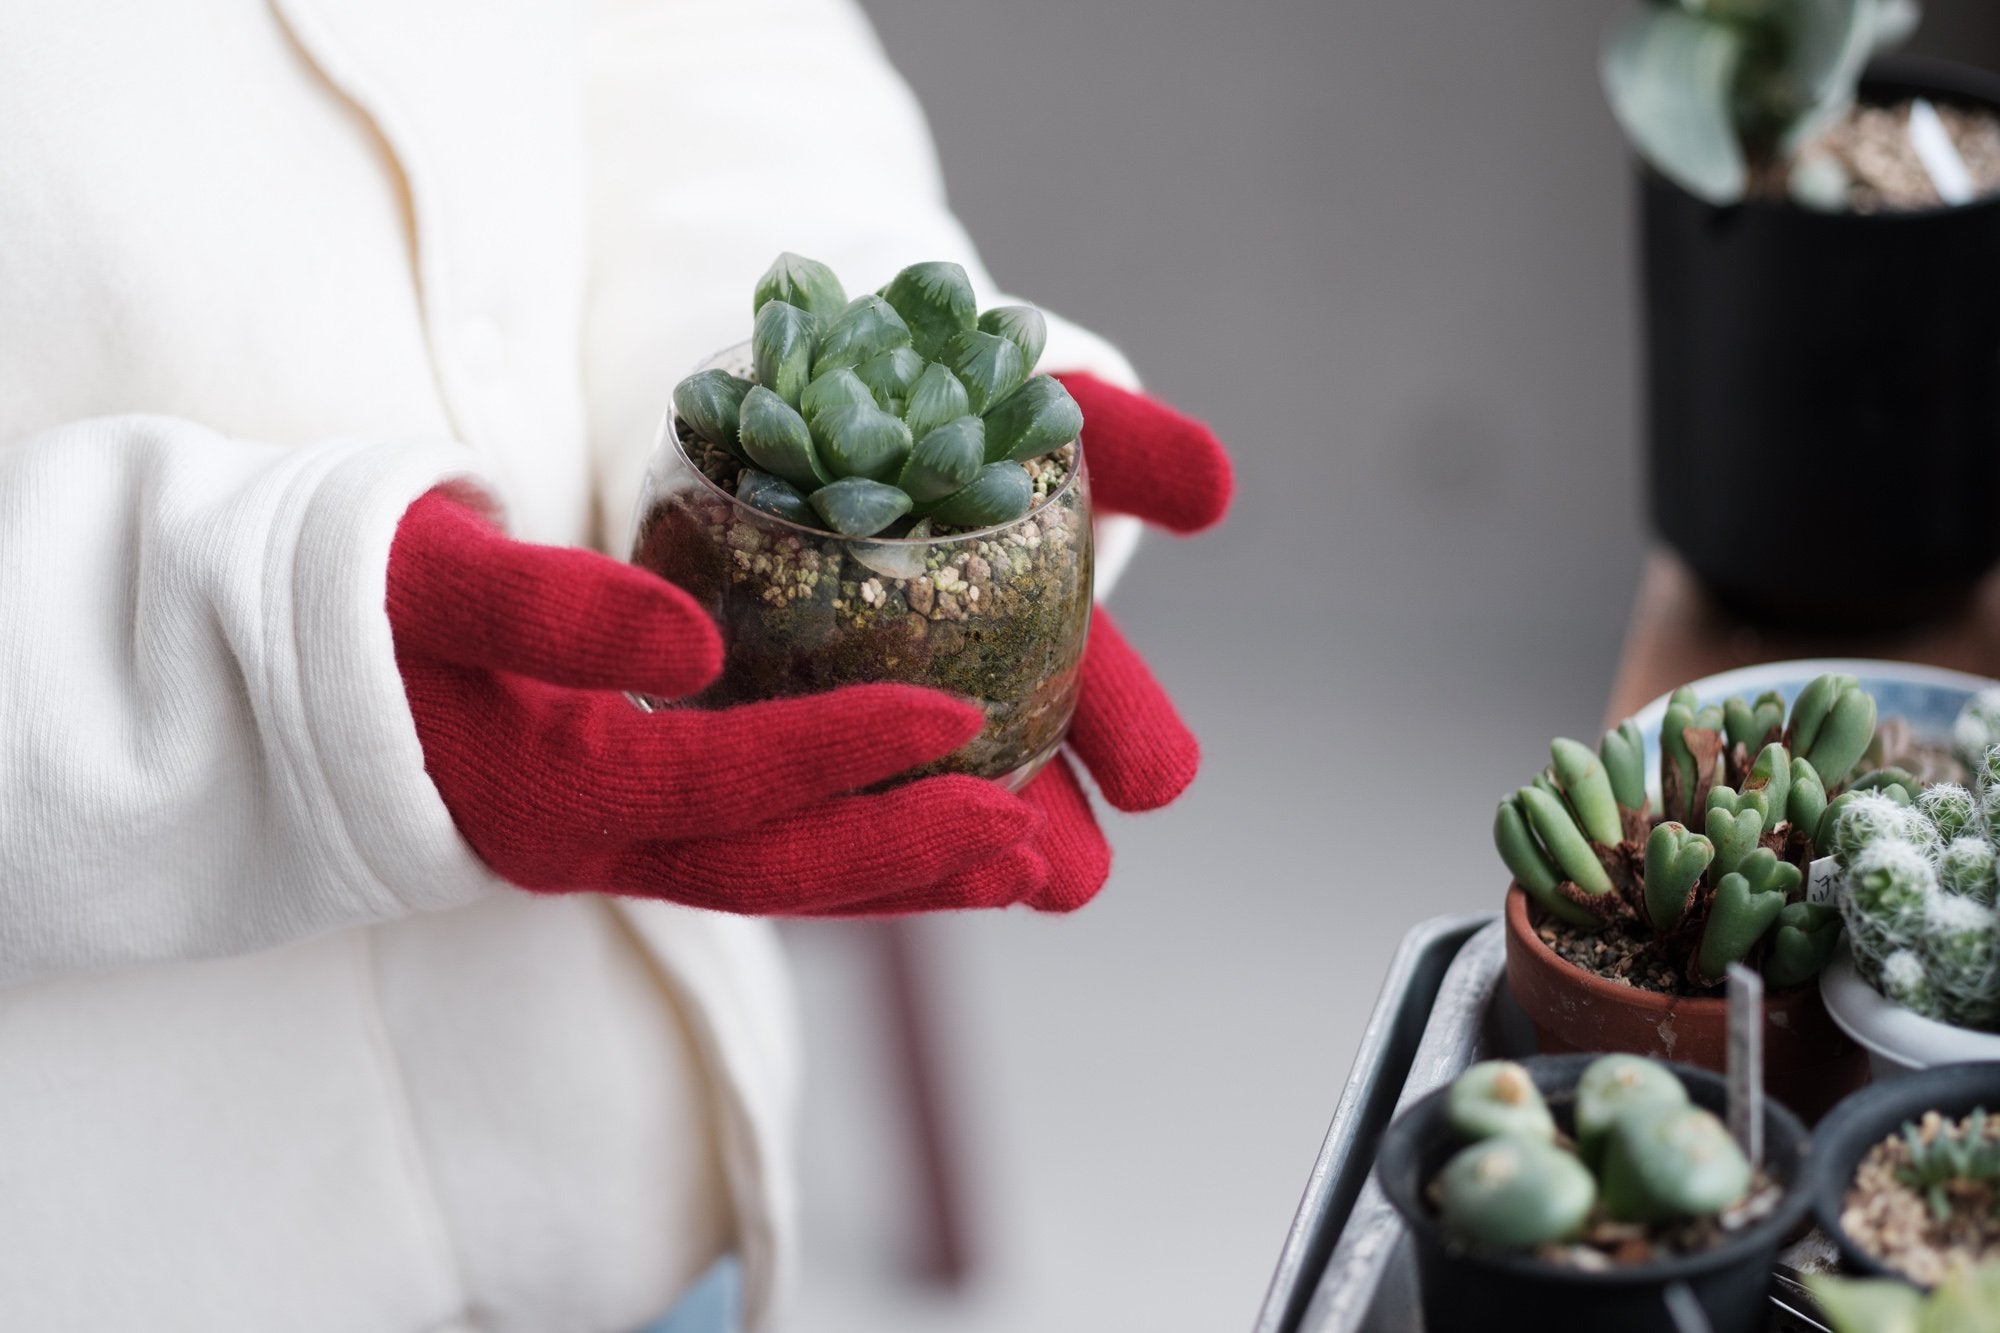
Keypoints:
(997, 616)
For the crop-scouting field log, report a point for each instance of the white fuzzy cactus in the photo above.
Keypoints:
(1966, 868)
(1961, 951)
(1889, 888)
(1870, 818)
(1977, 729)
(1903, 979)
(1952, 810)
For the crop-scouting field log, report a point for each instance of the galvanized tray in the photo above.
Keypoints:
(1346, 1267)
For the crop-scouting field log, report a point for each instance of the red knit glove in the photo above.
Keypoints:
(515, 659)
(1147, 460)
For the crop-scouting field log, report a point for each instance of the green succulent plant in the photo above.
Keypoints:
(1919, 879)
(1716, 93)
(1644, 1154)
(1967, 1301)
(1952, 1154)
(893, 408)
(1718, 876)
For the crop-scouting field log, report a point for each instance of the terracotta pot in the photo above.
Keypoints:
(1809, 1064)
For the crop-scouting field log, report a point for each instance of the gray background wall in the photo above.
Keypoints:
(1382, 246)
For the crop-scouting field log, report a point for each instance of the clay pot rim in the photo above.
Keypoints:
(1617, 992)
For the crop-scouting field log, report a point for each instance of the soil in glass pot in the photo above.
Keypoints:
(996, 615)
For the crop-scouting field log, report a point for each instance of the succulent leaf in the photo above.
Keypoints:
(945, 460)
(1623, 754)
(864, 329)
(709, 401)
(1670, 77)
(774, 495)
(1495, 1097)
(805, 283)
(1581, 776)
(1771, 778)
(858, 507)
(1748, 724)
(1801, 944)
(1805, 805)
(1767, 874)
(936, 397)
(935, 299)
(1670, 1162)
(989, 366)
(861, 440)
(838, 388)
(1733, 831)
(1499, 1097)
(1513, 1193)
(1675, 860)
(1565, 843)
(1613, 1086)
(1032, 420)
(1530, 865)
(782, 344)
(998, 493)
(777, 440)
(1738, 916)
(891, 375)
(1021, 325)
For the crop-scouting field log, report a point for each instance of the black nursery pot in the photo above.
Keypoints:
(1491, 1291)
(1823, 392)
(1875, 1113)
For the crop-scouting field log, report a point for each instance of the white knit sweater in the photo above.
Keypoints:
(275, 1051)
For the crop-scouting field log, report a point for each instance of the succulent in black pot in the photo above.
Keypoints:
(1818, 236)
(1578, 1191)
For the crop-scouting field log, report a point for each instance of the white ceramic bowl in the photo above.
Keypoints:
(1898, 1040)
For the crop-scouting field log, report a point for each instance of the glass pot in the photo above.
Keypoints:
(997, 615)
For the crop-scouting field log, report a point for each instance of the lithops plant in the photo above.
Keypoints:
(1717, 875)
(1720, 95)
(868, 416)
(1917, 888)
(1643, 1154)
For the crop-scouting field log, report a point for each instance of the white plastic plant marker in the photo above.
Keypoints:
(1685, 1310)
(1823, 882)
(1746, 1062)
(1934, 148)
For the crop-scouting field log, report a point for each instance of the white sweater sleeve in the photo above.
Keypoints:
(203, 736)
(723, 132)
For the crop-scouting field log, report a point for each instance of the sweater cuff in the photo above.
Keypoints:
(352, 734)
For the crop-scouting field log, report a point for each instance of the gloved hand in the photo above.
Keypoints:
(515, 658)
(1147, 460)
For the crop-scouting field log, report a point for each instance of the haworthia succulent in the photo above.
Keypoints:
(774, 495)
(805, 283)
(709, 402)
(997, 493)
(858, 507)
(1035, 418)
(783, 346)
(945, 460)
(1021, 325)
(861, 440)
(777, 440)
(989, 366)
(937, 397)
(936, 301)
(865, 328)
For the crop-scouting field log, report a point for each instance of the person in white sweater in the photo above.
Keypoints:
(283, 1042)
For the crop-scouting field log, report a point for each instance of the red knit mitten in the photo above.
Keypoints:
(515, 659)
(1147, 460)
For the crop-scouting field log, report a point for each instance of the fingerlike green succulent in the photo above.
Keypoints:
(901, 406)
(1582, 841)
(1645, 1154)
(1714, 93)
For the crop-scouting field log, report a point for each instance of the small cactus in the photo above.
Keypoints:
(1497, 1097)
(1960, 947)
(1515, 1193)
(1613, 1086)
(1663, 1163)
(1645, 1154)
(1583, 842)
(1976, 731)
(887, 409)
(1951, 809)
(1966, 867)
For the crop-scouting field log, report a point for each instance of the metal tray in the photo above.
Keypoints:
(1345, 1266)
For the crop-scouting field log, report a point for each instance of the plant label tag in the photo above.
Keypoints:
(1931, 142)
(1746, 1062)
(1823, 882)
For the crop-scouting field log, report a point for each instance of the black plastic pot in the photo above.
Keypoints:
(1487, 1291)
(1823, 393)
(1873, 1114)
